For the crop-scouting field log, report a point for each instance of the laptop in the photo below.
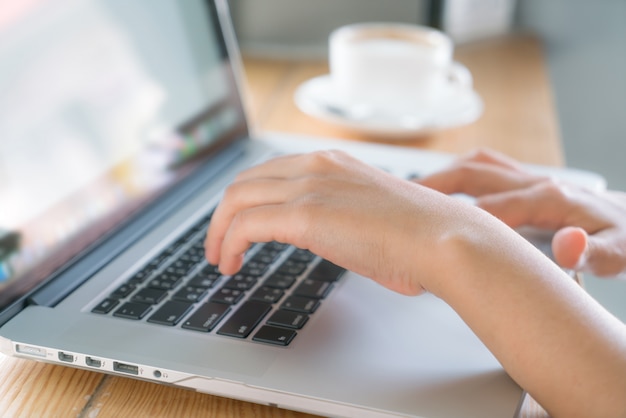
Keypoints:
(120, 124)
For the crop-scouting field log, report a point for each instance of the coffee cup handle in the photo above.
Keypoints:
(459, 75)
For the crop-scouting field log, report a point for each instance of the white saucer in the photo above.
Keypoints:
(317, 97)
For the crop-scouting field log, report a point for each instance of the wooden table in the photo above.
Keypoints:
(519, 119)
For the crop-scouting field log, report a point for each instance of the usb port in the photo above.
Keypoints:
(93, 362)
(68, 358)
(125, 368)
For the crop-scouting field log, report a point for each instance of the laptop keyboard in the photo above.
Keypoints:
(268, 301)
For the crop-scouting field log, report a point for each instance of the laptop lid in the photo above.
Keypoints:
(104, 113)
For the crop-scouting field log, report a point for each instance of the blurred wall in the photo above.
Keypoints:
(586, 48)
(300, 28)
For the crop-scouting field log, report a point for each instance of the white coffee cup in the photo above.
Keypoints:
(395, 67)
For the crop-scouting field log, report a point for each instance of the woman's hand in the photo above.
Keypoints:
(590, 225)
(357, 216)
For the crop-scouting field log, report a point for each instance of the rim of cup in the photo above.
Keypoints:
(391, 30)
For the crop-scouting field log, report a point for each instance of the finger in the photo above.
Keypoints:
(478, 179)
(569, 246)
(258, 224)
(489, 156)
(605, 255)
(241, 195)
(541, 205)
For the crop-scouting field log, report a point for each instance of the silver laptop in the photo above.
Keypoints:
(120, 124)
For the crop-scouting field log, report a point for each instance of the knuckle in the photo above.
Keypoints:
(325, 160)
(232, 192)
(554, 189)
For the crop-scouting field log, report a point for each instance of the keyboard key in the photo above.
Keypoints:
(301, 304)
(312, 289)
(241, 282)
(245, 319)
(165, 281)
(206, 317)
(254, 268)
(105, 306)
(180, 267)
(292, 268)
(303, 256)
(274, 335)
(159, 260)
(288, 319)
(279, 281)
(229, 296)
(170, 313)
(326, 271)
(122, 291)
(140, 276)
(133, 310)
(150, 295)
(265, 256)
(190, 294)
(267, 294)
(203, 279)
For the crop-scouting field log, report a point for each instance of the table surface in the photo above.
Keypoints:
(520, 120)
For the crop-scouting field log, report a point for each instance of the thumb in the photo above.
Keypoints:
(570, 247)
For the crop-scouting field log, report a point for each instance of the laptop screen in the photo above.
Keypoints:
(105, 104)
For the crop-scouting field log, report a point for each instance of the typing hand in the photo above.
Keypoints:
(352, 214)
(590, 225)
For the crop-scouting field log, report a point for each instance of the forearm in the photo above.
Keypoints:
(549, 335)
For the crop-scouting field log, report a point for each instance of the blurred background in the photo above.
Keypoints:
(584, 43)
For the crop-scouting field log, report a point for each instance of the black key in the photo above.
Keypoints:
(279, 281)
(243, 321)
(177, 270)
(170, 313)
(140, 276)
(254, 268)
(210, 268)
(303, 256)
(159, 260)
(203, 279)
(206, 317)
(267, 294)
(312, 289)
(276, 246)
(288, 319)
(165, 281)
(150, 295)
(274, 335)
(326, 271)
(180, 267)
(292, 268)
(122, 291)
(190, 294)
(301, 304)
(265, 256)
(133, 310)
(105, 306)
(192, 257)
(229, 296)
(241, 282)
